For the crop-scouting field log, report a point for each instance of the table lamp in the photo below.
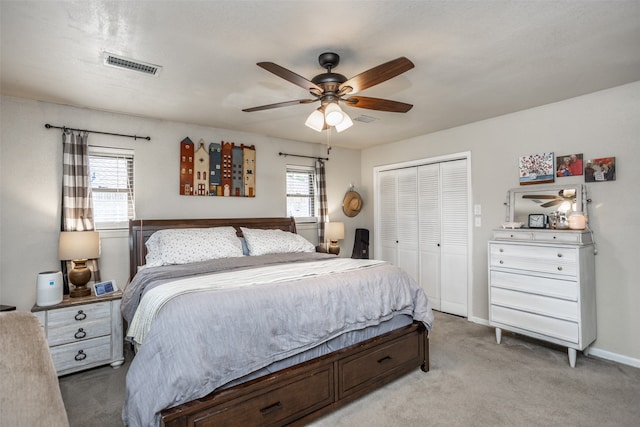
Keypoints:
(78, 247)
(335, 232)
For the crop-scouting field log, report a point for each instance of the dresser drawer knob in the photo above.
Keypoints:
(81, 315)
(501, 250)
(559, 255)
(80, 334)
(80, 356)
(501, 262)
(559, 268)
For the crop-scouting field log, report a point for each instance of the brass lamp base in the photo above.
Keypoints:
(334, 248)
(79, 276)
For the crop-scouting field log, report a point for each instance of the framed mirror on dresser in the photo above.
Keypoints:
(541, 272)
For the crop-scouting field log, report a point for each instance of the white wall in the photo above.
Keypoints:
(600, 124)
(31, 176)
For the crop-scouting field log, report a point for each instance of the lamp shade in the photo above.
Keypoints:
(315, 120)
(335, 230)
(333, 114)
(79, 245)
(346, 123)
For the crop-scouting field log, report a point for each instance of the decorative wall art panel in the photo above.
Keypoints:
(218, 169)
(536, 169)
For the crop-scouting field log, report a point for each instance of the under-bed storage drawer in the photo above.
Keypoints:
(276, 405)
(360, 371)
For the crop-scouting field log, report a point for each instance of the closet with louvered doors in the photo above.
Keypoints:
(422, 226)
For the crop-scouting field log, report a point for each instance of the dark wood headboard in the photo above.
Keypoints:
(141, 229)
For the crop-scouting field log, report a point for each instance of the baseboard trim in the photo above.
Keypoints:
(592, 351)
(614, 357)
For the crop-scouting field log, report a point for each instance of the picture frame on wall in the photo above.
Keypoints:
(536, 169)
(569, 165)
(600, 169)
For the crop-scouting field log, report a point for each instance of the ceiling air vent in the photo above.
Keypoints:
(131, 64)
(365, 119)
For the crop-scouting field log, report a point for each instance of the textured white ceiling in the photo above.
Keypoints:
(473, 59)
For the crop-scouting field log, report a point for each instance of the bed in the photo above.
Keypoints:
(273, 338)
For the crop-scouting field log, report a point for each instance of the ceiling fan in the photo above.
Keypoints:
(563, 196)
(331, 88)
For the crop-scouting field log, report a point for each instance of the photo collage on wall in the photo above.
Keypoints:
(222, 169)
(542, 168)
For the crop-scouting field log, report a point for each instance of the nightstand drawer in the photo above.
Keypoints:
(557, 288)
(78, 332)
(78, 315)
(80, 354)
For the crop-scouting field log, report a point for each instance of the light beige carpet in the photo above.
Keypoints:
(473, 382)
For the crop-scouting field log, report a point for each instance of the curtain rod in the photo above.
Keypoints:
(64, 128)
(306, 157)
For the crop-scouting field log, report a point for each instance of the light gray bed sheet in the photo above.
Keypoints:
(204, 341)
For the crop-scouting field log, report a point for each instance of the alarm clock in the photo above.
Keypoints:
(537, 221)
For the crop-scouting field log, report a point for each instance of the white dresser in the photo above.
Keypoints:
(83, 332)
(542, 284)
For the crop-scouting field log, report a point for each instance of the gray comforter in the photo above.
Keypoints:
(202, 341)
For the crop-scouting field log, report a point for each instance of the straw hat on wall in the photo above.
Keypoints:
(352, 204)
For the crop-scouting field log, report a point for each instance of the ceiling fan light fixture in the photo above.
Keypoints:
(333, 114)
(345, 124)
(315, 120)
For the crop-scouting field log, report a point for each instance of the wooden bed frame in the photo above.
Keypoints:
(303, 392)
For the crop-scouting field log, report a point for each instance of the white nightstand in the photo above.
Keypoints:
(84, 332)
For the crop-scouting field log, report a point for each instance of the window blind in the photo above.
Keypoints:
(111, 177)
(301, 196)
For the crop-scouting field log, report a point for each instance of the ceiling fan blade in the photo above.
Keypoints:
(291, 77)
(280, 104)
(539, 196)
(376, 75)
(551, 203)
(377, 104)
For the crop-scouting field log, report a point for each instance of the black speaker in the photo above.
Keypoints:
(361, 244)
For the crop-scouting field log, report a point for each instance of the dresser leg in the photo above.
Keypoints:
(117, 364)
(498, 335)
(572, 357)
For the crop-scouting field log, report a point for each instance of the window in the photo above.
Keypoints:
(301, 193)
(111, 178)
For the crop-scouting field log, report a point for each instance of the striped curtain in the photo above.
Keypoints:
(77, 205)
(322, 200)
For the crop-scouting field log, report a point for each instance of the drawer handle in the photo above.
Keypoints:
(559, 268)
(501, 262)
(81, 315)
(80, 356)
(385, 359)
(80, 334)
(501, 250)
(269, 409)
(559, 255)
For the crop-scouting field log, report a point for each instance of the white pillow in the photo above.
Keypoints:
(187, 245)
(262, 242)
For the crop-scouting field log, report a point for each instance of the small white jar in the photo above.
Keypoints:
(577, 221)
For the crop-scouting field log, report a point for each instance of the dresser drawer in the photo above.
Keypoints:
(558, 236)
(78, 315)
(543, 259)
(81, 331)
(549, 326)
(557, 288)
(275, 406)
(539, 304)
(512, 235)
(359, 371)
(83, 353)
